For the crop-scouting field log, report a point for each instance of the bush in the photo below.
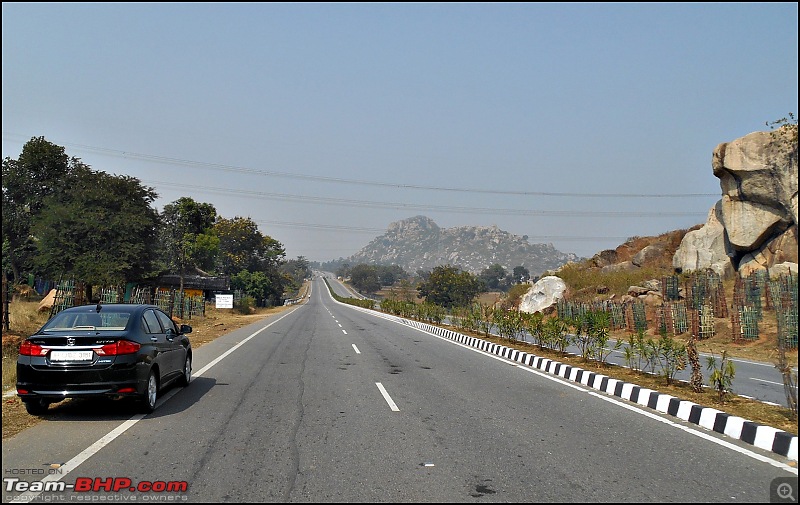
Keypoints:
(245, 305)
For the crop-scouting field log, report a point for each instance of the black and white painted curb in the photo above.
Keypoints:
(761, 436)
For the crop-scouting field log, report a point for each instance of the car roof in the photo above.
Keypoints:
(112, 307)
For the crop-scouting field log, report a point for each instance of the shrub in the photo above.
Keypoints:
(244, 305)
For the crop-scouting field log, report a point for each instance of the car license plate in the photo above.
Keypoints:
(71, 355)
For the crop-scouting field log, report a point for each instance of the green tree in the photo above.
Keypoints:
(494, 277)
(265, 287)
(43, 169)
(243, 247)
(521, 274)
(390, 274)
(449, 286)
(294, 271)
(365, 278)
(187, 237)
(100, 228)
(343, 271)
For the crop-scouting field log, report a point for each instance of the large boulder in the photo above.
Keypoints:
(783, 269)
(604, 258)
(649, 254)
(754, 225)
(705, 248)
(780, 250)
(542, 295)
(758, 175)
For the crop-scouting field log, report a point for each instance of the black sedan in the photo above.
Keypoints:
(106, 350)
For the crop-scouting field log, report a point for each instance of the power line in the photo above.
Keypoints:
(378, 230)
(420, 207)
(270, 173)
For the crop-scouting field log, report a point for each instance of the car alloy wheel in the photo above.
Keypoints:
(152, 392)
(187, 371)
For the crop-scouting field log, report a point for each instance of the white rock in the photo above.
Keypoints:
(546, 292)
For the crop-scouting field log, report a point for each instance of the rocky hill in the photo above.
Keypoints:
(419, 243)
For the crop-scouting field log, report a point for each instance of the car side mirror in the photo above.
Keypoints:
(185, 328)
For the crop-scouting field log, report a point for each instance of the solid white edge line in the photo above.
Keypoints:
(122, 428)
(769, 382)
(87, 453)
(388, 398)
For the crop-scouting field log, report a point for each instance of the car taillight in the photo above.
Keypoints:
(28, 348)
(119, 347)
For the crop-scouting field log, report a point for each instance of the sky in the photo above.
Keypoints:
(577, 124)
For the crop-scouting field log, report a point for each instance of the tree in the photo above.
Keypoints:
(521, 274)
(294, 271)
(365, 278)
(43, 169)
(187, 236)
(99, 228)
(449, 286)
(243, 247)
(265, 287)
(343, 271)
(493, 277)
(390, 274)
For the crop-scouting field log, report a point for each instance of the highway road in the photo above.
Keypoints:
(327, 403)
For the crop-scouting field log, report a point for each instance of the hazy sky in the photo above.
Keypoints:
(577, 124)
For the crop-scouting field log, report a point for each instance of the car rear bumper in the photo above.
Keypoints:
(35, 383)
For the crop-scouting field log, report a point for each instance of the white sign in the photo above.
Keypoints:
(224, 301)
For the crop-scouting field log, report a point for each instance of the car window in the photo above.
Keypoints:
(114, 320)
(151, 322)
(88, 320)
(166, 322)
(62, 321)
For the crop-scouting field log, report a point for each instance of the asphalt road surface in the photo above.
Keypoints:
(326, 403)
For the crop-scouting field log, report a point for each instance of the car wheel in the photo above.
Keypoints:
(151, 393)
(187, 372)
(36, 407)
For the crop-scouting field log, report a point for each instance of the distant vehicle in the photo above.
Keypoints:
(103, 350)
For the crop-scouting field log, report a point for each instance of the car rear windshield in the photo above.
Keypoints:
(106, 320)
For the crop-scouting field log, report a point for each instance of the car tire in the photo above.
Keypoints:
(36, 407)
(151, 393)
(187, 372)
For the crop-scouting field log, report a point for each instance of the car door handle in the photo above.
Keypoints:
(154, 339)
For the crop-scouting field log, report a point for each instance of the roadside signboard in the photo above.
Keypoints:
(224, 301)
